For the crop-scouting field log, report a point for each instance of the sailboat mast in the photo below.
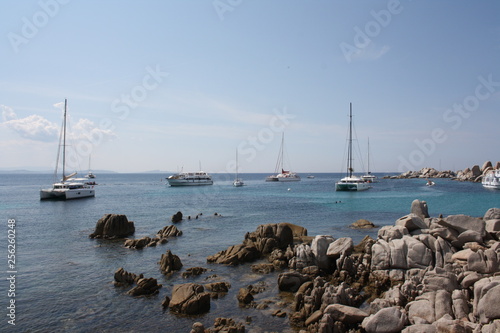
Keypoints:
(282, 150)
(64, 141)
(349, 153)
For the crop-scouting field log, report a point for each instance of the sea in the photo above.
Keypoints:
(62, 280)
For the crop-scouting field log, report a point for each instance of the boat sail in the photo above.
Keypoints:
(351, 182)
(369, 178)
(284, 175)
(237, 181)
(68, 187)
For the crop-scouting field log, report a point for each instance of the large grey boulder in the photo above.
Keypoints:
(419, 208)
(483, 261)
(169, 263)
(388, 233)
(291, 281)
(319, 247)
(488, 307)
(344, 313)
(491, 214)
(340, 246)
(463, 223)
(388, 320)
(411, 222)
(112, 226)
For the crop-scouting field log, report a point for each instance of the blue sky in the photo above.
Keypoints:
(165, 85)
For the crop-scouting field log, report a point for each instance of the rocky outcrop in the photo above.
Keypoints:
(220, 325)
(169, 231)
(257, 244)
(112, 226)
(189, 299)
(145, 287)
(425, 173)
(124, 278)
(420, 275)
(169, 263)
(362, 224)
(177, 217)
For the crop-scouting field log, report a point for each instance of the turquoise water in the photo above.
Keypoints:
(64, 279)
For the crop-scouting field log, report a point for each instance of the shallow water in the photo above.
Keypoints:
(64, 279)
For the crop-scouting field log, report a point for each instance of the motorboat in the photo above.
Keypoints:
(190, 179)
(492, 179)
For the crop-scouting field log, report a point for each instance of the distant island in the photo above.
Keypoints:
(474, 174)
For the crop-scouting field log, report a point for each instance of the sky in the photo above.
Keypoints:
(179, 85)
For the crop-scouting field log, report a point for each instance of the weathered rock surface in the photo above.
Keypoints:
(362, 224)
(145, 287)
(124, 278)
(169, 263)
(112, 226)
(190, 299)
(169, 231)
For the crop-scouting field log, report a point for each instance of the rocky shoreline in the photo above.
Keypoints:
(422, 274)
(473, 174)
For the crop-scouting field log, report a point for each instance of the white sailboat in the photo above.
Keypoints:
(68, 187)
(351, 182)
(492, 180)
(237, 181)
(284, 175)
(369, 178)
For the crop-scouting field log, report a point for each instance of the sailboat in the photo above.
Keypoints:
(90, 174)
(237, 181)
(369, 178)
(351, 182)
(284, 175)
(68, 187)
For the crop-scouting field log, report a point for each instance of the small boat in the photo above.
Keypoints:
(310, 177)
(284, 175)
(190, 179)
(237, 181)
(492, 180)
(90, 175)
(430, 183)
(69, 187)
(351, 182)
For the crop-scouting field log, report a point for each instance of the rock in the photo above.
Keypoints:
(193, 271)
(388, 233)
(291, 281)
(493, 225)
(235, 255)
(190, 299)
(169, 231)
(303, 257)
(388, 320)
(340, 246)
(344, 313)
(140, 243)
(486, 165)
(169, 263)
(463, 223)
(362, 224)
(470, 236)
(419, 208)
(123, 278)
(218, 287)
(319, 247)
(145, 286)
(411, 222)
(177, 217)
(492, 214)
(112, 226)
(488, 307)
(245, 296)
(420, 328)
(483, 261)
(227, 325)
(197, 328)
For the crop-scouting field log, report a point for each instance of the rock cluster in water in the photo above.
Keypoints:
(474, 174)
(422, 274)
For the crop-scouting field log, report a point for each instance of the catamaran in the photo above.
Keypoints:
(190, 179)
(68, 187)
(351, 182)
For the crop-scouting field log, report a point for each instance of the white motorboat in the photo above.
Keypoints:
(492, 179)
(351, 182)
(190, 179)
(284, 175)
(68, 188)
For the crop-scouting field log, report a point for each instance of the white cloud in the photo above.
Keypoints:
(33, 127)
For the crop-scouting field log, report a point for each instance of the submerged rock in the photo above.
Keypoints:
(190, 299)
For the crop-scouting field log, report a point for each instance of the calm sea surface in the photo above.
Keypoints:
(64, 278)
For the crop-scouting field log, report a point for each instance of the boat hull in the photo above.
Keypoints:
(351, 187)
(492, 180)
(54, 194)
(189, 182)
